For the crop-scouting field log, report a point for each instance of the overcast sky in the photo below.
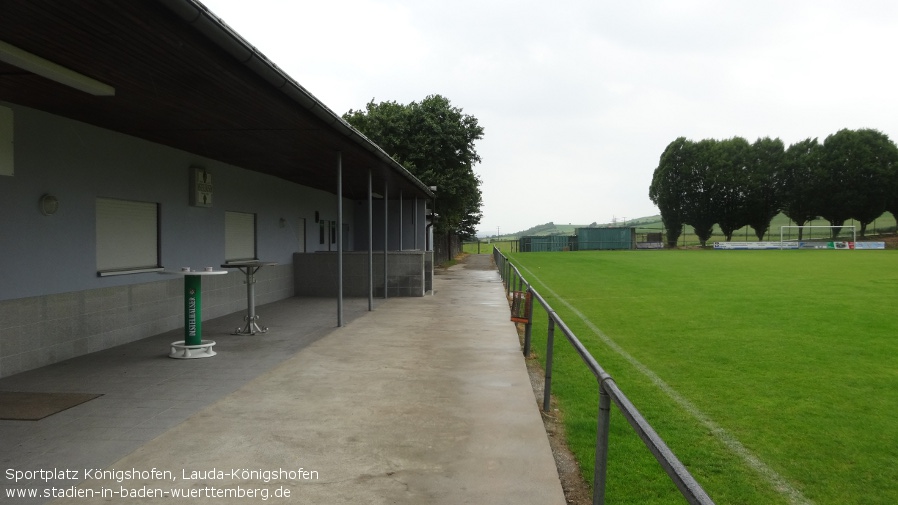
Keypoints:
(578, 98)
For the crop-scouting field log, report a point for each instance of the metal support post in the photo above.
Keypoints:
(528, 326)
(340, 322)
(386, 238)
(507, 280)
(601, 463)
(370, 243)
(550, 345)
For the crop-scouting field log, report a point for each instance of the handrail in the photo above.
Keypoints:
(608, 392)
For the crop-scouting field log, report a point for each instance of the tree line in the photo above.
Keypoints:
(853, 174)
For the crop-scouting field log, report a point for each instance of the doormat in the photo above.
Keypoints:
(24, 406)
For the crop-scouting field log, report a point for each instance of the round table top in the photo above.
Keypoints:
(196, 272)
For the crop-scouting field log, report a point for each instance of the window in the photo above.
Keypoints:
(127, 236)
(240, 236)
(327, 235)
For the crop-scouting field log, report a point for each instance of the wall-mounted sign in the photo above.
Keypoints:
(200, 187)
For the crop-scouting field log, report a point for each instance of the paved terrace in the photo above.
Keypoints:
(423, 401)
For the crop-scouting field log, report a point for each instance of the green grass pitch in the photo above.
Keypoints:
(790, 355)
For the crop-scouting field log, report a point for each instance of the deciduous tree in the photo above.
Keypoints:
(699, 205)
(762, 201)
(800, 189)
(729, 163)
(667, 188)
(435, 141)
(861, 166)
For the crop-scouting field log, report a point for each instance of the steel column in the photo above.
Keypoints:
(370, 244)
(339, 239)
(386, 237)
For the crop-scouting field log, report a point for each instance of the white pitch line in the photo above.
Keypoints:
(776, 481)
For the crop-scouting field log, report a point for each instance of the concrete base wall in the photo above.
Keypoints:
(408, 275)
(41, 330)
(428, 271)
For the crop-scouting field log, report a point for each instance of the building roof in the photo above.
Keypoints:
(183, 78)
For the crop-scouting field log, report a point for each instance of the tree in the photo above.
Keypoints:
(667, 188)
(729, 164)
(682, 188)
(835, 178)
(864, 163)
(698, 203)
(435, 142)
(800, 188)
(762, 190)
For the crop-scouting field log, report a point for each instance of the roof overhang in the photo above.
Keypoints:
(181, 77)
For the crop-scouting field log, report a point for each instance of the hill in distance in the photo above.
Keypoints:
(885, 223)
(552, 228)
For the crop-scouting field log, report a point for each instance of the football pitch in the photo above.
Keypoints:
(772, 375)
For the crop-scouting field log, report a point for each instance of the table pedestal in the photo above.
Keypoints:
(193, 346)
(180, 350)
(250, 268)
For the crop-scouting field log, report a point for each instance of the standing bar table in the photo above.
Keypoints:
(193, 346)
(250, 268)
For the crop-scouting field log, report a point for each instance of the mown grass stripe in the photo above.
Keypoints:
(773, 478)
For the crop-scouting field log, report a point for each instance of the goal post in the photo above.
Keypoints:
(844, 233)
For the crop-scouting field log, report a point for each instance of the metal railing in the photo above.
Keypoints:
(608, 392)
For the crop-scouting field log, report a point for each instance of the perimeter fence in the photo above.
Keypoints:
(523, 295)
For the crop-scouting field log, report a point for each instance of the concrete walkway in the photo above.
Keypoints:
(424, 400)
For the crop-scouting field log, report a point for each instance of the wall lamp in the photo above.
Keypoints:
(48, 204)
(45, 68)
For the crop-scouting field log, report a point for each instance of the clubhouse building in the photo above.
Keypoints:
(143, 137)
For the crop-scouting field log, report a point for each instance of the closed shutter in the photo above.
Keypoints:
(127, 235)
(240, 236)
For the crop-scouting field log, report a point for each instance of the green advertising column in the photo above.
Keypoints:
(193, 321)
(193, 345)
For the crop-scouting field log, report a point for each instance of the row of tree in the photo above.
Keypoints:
(853, 174)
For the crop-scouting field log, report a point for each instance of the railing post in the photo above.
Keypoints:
(507, 279)
(528, 326)
(601, 464)
(550, 344)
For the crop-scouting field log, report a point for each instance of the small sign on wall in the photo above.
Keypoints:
(200, 187)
